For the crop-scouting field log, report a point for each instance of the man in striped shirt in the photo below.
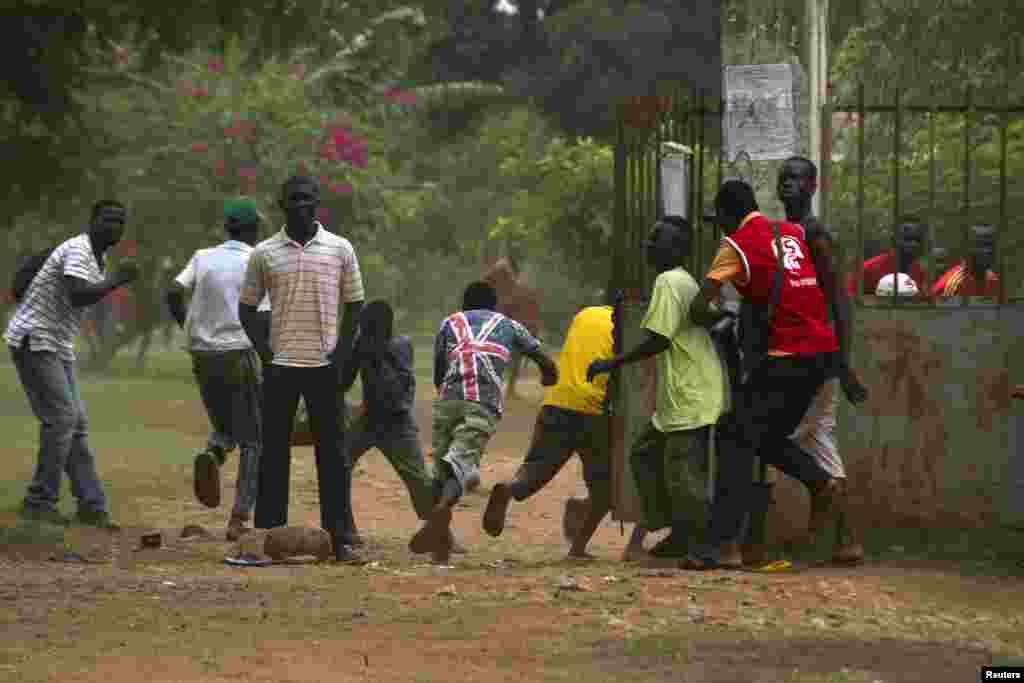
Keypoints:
(308, 273)
(40, 336)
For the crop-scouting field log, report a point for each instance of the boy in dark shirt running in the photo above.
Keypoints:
(387, 421)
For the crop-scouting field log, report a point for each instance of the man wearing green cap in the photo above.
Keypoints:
(226, 366)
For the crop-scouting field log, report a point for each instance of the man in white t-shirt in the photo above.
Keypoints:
(40, 335)
(224, 362)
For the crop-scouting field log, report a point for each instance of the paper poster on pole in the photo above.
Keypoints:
(674, 185)
(762, 111)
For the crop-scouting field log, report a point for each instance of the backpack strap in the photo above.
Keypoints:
(777, 275)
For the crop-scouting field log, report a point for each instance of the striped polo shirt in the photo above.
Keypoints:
(45, 313)
(306, 285)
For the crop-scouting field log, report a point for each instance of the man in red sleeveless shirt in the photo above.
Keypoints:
(801, 355)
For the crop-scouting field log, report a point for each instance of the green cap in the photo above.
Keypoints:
(241, 211)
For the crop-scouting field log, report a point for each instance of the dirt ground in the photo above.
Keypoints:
(497, 614)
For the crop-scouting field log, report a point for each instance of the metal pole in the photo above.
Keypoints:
(1000, 261)
(620, 240)
(825, 186)
(698, 202)
(967, 182)
(897, 133)
(929, 237)
(817, 66)
(861, 123)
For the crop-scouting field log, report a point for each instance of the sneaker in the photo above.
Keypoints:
(99, 519)
(206, 479)
(48, 516)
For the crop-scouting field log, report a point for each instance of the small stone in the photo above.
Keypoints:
(195, 531)
(168, 583)
(819, 622)
(612, 579)
(695, 614)
(568, 583)
(360, 614)
(659, 573)
(154, 540)
(447, 592)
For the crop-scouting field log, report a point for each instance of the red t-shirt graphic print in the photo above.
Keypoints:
(800, 325)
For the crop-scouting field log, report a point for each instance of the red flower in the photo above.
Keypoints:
(216, 66)
(324, 180)
(248, 172)
(218, 168)
(340, 188)
(407, 98)
(200, 92)
(361, 158)
(323, 215)
(200, 147)
(341, 140)
(300, 168)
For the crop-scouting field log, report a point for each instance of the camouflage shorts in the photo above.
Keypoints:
(461, 430)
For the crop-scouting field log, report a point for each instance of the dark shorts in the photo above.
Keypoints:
(557, 435)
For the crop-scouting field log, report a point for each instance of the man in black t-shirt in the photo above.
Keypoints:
(798, 181)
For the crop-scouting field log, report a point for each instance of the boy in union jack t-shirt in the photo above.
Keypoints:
(471, 353)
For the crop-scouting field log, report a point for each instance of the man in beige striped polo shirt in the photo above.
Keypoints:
(308, 273)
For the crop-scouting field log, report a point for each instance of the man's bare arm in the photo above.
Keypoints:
(548, 368)
(175, 298)
(346, 335)
(837, 297)
(257, 328)
(84, 293)
(703, 311)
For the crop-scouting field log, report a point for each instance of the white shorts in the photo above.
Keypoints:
(816, 432)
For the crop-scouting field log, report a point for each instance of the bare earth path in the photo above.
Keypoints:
(499, 614)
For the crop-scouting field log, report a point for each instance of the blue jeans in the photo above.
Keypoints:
(49, 384)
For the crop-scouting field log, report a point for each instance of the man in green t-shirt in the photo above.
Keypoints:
(670, 458)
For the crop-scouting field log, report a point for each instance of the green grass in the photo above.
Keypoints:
(120, 400)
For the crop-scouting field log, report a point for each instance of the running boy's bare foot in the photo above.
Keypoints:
(457, 548)
(574, 517)
(497, 509)
(634, 551)
(433, 535)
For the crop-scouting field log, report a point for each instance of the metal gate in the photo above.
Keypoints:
(936, 444)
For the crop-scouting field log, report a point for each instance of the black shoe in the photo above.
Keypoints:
(347, 555)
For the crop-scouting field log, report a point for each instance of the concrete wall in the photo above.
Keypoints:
(932, 446)
(938, 443)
